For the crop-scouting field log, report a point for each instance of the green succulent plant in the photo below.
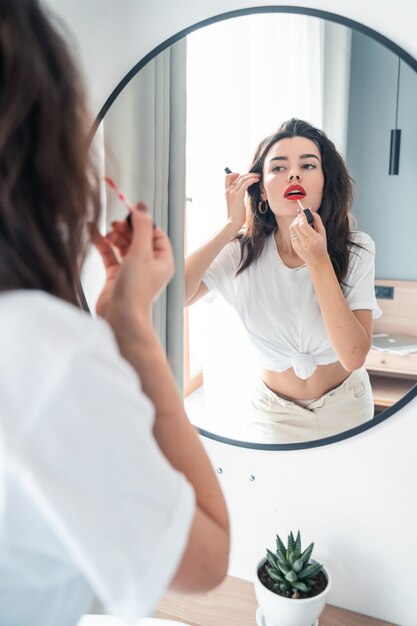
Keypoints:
(290, 568)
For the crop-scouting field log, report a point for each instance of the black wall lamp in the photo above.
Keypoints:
(394, 151)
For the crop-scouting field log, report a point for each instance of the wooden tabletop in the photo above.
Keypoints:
(233, 603)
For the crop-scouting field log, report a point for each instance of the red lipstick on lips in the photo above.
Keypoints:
(294, 192)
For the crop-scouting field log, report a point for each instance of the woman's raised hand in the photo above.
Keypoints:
(139, 264)
(236, 186)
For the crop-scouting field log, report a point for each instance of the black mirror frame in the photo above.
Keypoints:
(332, 17)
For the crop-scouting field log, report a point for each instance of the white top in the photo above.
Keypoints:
(90, 505)
(278, 305)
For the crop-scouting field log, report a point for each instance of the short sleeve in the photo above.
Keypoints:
(220, 276)
(95, 471)
(360, 280)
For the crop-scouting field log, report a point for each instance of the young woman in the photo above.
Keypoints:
(305, 293)
(105, 490)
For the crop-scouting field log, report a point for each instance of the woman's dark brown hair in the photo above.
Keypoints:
(334, 210)
(47, 180)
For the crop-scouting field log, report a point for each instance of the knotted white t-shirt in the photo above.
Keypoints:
(278, 305)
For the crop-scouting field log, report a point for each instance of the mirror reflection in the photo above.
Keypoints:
(303, 288)
(280, 352)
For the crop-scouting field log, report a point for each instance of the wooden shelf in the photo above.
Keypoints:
(233, 603)
(393, 375)
(387, 390)
(387, 362)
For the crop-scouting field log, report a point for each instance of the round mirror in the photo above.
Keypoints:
(202, 102)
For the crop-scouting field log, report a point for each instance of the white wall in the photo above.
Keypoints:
(114, 36)
(356, 499)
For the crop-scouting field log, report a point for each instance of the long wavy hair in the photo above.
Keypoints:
(48, 182)
(334, 209)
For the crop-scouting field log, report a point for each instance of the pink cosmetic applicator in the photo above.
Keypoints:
(121, 197)
(301, 206)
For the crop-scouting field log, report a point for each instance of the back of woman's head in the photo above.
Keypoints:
(47, 182)
(334, 209)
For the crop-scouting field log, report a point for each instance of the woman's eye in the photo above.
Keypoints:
(309, 166)
(277, 168)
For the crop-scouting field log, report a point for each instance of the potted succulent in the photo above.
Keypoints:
(290, 587)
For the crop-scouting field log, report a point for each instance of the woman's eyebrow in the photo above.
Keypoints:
(302, 156)
(309, 156)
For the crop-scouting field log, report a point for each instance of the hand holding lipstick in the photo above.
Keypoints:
(309, 243)
(138, 262)
(120, 236)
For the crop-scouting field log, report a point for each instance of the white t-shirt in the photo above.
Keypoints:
(278, 305)
(91, 507)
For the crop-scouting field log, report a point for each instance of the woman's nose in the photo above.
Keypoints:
(294, 175)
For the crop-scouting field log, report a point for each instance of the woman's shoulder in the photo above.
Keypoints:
(362, 240)
(230, 255)
(36, 317)
(359, 236)
(49, 345)
(234, 246)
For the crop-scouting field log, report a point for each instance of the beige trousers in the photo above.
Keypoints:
(277, 420)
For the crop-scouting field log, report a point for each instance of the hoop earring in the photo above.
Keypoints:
(263, 207)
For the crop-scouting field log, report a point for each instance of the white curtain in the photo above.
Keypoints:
(142, 141)
(336, 81)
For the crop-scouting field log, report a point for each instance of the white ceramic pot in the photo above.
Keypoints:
(280, 611)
